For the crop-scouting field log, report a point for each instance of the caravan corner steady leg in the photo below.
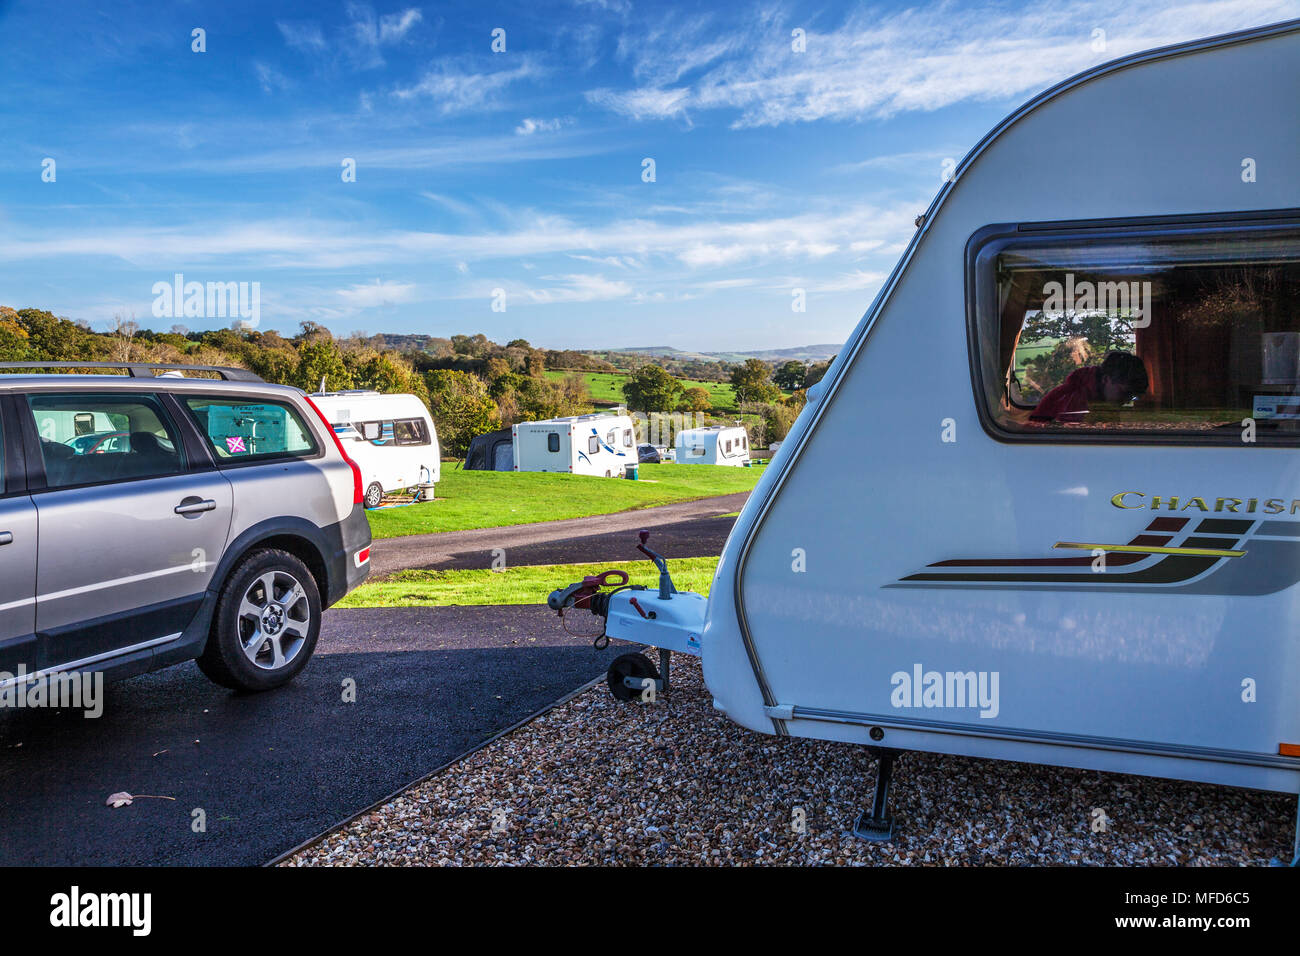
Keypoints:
(879, 826)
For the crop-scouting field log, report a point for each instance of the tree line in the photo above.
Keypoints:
(471, 384)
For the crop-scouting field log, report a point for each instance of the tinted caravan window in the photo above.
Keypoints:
(411, 431)
(553, 441)
(1190, 334)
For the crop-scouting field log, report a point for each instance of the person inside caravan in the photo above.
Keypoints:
(1120, 378)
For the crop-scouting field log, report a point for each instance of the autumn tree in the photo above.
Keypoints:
(750, 382)
(651, 389)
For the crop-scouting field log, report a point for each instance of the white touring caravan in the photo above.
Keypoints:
(580, 444)
(714, 445)
(1010, 544)
(392, 439)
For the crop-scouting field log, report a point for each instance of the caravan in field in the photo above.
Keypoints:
(937, 560)
(392, 439)
(713, 445)
(580, 444)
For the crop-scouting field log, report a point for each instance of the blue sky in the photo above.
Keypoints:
(521, 170)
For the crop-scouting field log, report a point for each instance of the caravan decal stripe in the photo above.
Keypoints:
(1204, 562)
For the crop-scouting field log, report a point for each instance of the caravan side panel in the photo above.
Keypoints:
(1198, 679)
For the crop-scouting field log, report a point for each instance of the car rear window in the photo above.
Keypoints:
(241, 430)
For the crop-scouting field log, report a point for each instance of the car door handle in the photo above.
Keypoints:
(193, 506)
(6, 537)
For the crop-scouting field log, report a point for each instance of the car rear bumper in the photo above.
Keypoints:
(350, 558)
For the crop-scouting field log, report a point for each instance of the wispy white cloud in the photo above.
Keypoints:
(578, 288)
(639, 244)
(394, 26)
(878, 63)
(371, 295)
(270, 78)
(305, 36)
(359, 40)
(457, 90)
(644, 103)
(849, 281)
(529, 126)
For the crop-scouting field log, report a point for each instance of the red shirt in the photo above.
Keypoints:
(1072, 395)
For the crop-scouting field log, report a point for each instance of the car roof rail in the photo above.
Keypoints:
(144, 369)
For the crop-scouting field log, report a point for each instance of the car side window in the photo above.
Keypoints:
(243, 430)
(89, 439)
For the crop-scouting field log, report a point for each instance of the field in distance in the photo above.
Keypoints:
(493, 499)
(607, 388)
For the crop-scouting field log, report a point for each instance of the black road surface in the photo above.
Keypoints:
(689, 529)
(268, 771)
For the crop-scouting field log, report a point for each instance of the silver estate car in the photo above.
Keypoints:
(150, 519)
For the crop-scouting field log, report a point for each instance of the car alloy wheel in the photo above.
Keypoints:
(274, 620)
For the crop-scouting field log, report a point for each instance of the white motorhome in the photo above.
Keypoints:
(581, 444)
(713, 445)
(392, 439)
(992, 546)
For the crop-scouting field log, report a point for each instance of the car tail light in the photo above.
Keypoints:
(358, 492)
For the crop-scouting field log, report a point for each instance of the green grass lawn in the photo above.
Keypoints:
(492, 499)
(526, 585)
(608, 387)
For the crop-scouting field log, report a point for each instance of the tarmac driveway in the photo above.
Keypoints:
(268, 771)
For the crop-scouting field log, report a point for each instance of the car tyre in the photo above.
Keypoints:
(266, 623)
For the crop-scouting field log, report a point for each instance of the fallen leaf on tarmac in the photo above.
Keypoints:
(123, 799)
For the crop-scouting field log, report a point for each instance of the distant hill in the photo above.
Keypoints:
(802, 353)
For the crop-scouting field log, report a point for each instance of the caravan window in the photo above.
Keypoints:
(553, 441)
(411, 431)
(1189, 334)
(593, 445)
(628, 440)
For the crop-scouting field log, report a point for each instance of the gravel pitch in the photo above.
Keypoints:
(600, 782)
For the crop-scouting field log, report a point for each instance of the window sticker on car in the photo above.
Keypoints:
(235, 444)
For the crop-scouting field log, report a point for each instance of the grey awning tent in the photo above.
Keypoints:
(492, 451)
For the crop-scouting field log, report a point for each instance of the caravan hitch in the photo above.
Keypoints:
(666, 619)
(587, 595)
(582, 593)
